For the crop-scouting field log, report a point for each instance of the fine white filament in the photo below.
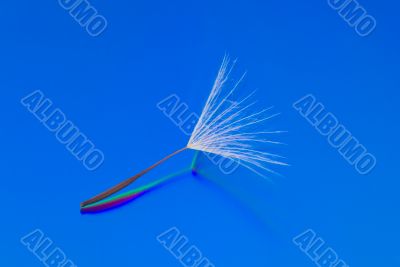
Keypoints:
(231, 129)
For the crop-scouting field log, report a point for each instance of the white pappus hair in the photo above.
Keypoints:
(231, 129)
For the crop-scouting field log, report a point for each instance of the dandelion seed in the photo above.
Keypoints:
(226, 127)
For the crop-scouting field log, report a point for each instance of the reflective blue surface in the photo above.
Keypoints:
(109, 87)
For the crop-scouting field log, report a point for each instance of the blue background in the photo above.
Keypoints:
(109, 86)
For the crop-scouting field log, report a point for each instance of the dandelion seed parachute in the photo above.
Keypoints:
(226, 127)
